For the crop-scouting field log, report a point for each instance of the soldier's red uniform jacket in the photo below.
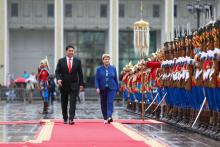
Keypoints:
(179, 79)
(134, 83)
(139, 77)
(218, 80)
(153, 64)
(129, 83)
(158, 77)
(139, 80)
(152, 77)
(124, 81)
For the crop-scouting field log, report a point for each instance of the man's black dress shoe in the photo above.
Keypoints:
(65, 122)
(71, 122)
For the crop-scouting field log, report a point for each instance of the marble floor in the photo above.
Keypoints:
(20, 111)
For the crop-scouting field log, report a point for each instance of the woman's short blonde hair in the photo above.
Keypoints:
(105, 55)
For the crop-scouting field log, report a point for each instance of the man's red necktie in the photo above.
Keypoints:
(69, 65)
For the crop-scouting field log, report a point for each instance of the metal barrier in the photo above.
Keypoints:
(17, 93)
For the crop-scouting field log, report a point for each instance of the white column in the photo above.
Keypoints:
(59, 30)
(113, 32)
(217, 9)
(4, 46)
(167, 33)
(6, 42)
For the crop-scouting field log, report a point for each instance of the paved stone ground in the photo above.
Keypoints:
(18, 111)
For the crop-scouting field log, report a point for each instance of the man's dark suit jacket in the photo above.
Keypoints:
(70, 81)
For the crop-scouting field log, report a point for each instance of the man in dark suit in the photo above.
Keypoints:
(70, 81)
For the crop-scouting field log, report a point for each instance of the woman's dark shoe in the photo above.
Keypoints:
(110, 120)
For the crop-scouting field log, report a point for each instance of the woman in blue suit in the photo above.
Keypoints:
(106, 84)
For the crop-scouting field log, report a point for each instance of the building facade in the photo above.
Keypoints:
(34, 29)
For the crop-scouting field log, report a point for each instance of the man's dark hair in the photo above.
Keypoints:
(69, 46)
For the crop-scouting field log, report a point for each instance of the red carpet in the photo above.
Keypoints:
(85, 133)
(89, 134)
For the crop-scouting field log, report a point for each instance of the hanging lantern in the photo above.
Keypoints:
(141, 38)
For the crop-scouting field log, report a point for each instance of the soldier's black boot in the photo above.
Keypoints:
(204, 121)
(152, 114)
(188, 117)
(217, 126)
(136, 106)
(128, 104)
(157, 112)
(164, 115)
(208, 119)
(133, 106)
(140, 107)
(167, 113)
(217, 134)
(191, 117)
(146, 112)
(182, 117)
(170, 112)
(174, 115)
(209, 128)
(214, 123)
(215, 120)
(145, 106)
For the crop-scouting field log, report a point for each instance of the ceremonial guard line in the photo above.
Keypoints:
(181, 82)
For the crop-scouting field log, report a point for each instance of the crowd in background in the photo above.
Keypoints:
(26, 86)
